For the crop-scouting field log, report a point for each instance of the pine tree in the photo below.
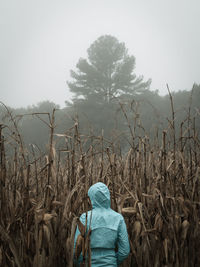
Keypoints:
(106, 74)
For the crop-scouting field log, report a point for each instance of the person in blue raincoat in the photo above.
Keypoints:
(108, 230)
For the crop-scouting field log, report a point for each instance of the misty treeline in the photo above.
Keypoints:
(110, 101)
(148, 113)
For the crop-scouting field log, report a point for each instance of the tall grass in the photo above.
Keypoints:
(155, 186)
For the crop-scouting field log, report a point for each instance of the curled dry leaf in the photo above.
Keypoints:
(129, 211)
(48, 216)
(137, 227)
(184, 227)
(33, 202)
(39, 214)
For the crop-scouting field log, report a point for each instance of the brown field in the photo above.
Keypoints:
(156, 186)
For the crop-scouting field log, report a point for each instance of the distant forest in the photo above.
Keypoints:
(109, 102)
(148, 113)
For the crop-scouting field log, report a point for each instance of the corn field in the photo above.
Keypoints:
(155, 185)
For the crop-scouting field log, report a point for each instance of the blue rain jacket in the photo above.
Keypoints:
(108, 230)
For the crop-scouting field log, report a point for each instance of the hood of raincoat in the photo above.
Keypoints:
(99, 195)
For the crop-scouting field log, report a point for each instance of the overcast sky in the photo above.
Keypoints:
(41, 40)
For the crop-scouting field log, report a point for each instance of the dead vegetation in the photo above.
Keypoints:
(155, 186)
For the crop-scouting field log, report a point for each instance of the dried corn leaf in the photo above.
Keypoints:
(40, 238)
(48, 216)
(158, 225)
(165, 244)
(184, 228)
(47, 233)
(81, 227)
(141, 213)
(137, 227)
(129, 211)
(177, 220)
(39, 214)
(79, 246)
(57, 203)
(170, 164)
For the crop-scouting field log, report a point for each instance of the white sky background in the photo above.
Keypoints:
(41, 40)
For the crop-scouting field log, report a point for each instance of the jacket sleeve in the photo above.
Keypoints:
(122, 242)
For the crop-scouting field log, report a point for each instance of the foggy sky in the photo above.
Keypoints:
(41, 40)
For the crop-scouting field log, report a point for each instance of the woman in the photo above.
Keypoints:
(109, 239)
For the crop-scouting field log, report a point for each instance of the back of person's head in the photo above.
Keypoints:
(99, 195)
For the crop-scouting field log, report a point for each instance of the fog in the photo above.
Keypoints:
(42, 40)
